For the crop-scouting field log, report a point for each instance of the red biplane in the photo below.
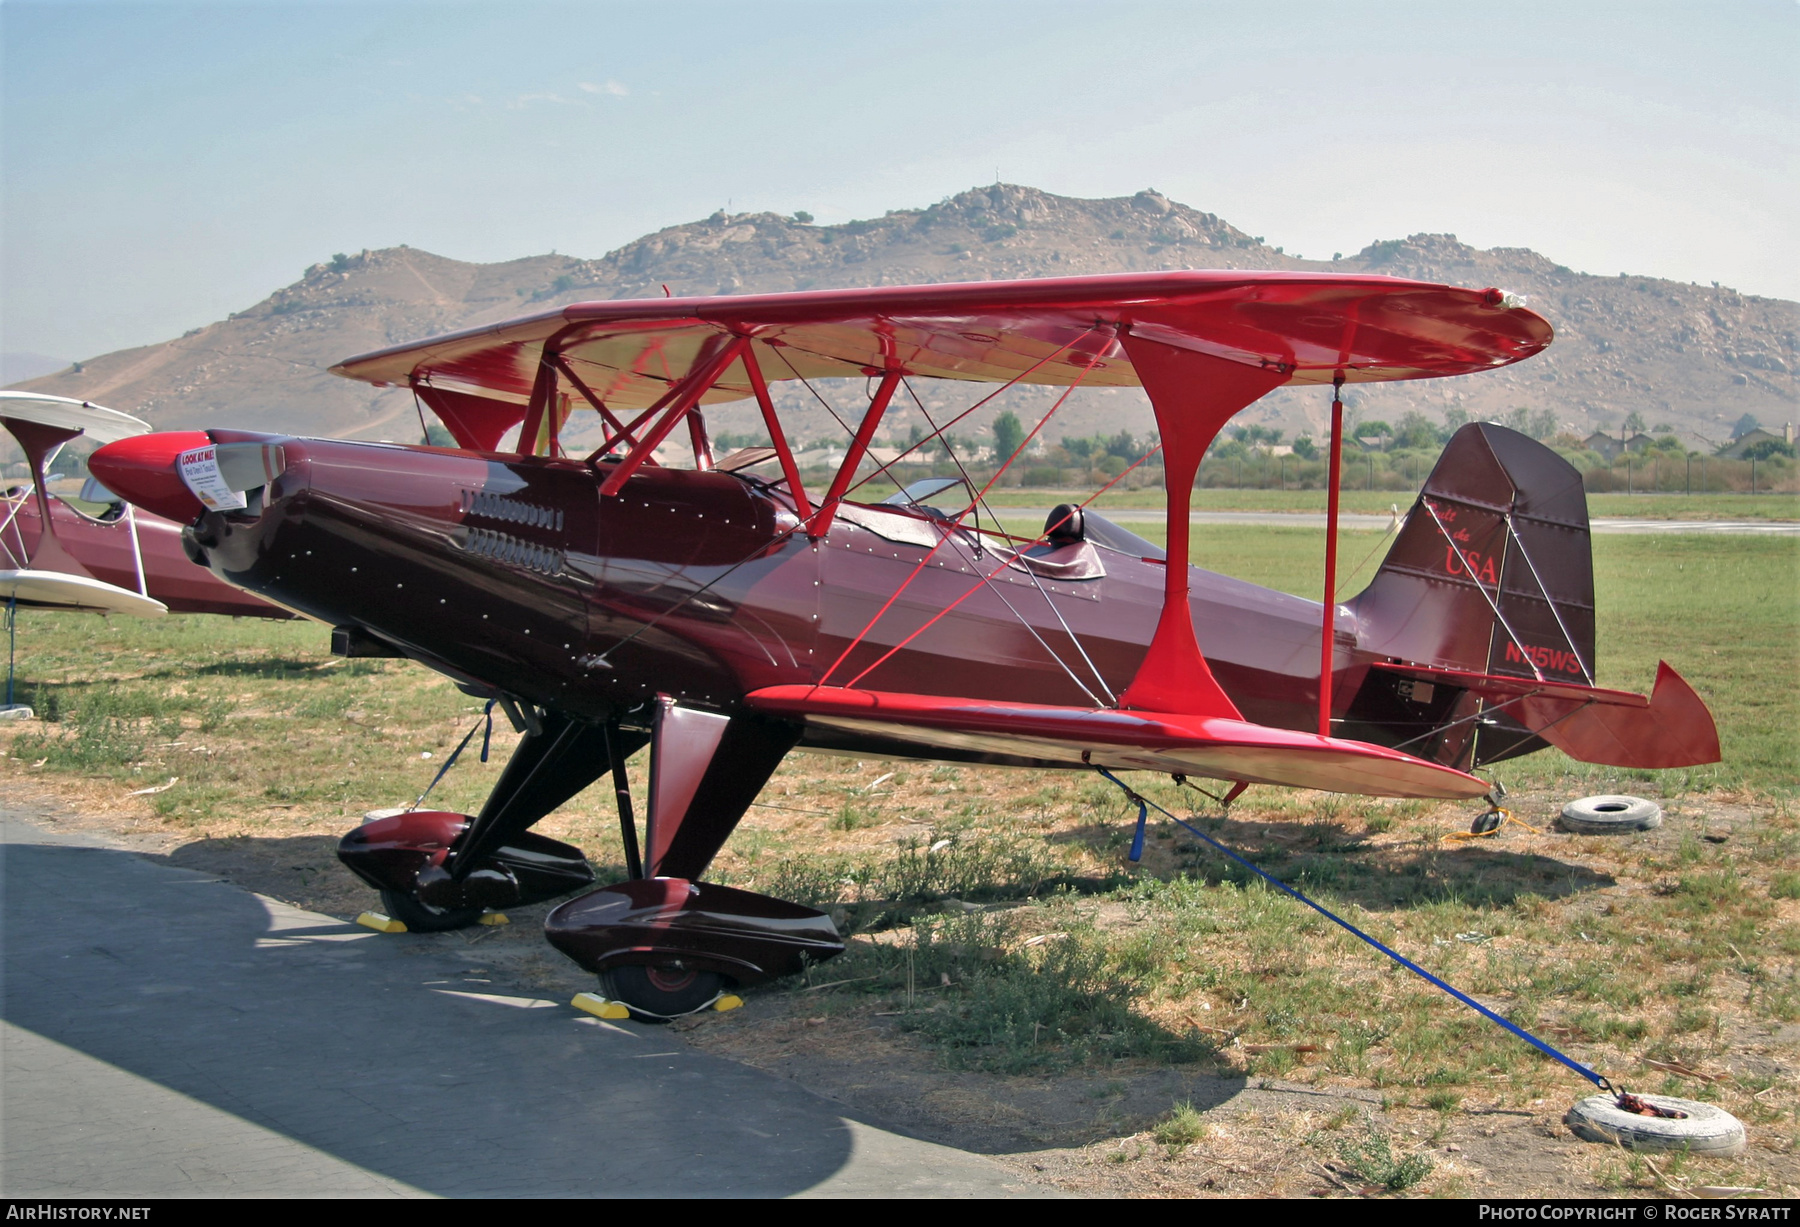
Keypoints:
(724, 613)
(55, 555)
(95, 552)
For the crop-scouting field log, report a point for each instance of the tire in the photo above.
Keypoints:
(423, 918)
(657, 994)
(1706, 1130)
(1611, 815)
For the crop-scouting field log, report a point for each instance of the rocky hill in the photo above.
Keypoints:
(1695, 357)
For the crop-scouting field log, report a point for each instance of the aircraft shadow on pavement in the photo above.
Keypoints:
(369, 1050)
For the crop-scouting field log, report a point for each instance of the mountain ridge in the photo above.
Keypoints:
(1695, 357)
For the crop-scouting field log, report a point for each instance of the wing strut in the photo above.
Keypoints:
(611, 419)
(859, 446)
(777, 435)
(1193, 395)
(674, 405)
(1328, 635)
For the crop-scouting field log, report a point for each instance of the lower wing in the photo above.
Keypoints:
(1131, 740)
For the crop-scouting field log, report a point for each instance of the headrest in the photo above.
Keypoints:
(1066, 525)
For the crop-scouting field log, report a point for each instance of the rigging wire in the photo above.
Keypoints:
(1035, 580)
(1041, 538)
(957, 523)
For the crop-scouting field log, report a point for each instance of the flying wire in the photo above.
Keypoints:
(1035, 580)
(957, 523)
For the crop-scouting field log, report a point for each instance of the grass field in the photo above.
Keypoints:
(1375, 502)
(996, 920)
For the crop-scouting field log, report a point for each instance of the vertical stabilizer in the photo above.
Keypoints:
(1492, 571)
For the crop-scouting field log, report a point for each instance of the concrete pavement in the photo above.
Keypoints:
(167, 1034)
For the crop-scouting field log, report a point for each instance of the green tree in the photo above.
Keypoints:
(1305, 448)
(1744, 426)
(1768, 449)
(1009, 432)
(1414, 430)
(1634, 423)
(1124, 447)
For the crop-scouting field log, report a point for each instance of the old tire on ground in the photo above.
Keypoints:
(1610, 815)
(1706, 1130)
(423, 918)
(657, 994)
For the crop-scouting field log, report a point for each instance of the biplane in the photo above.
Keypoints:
(95, 552)
(106, 559)
(723, 612)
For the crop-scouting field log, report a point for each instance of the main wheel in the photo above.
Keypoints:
(657, 994)
(423, 918)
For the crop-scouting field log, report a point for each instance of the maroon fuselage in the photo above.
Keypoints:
(104, 547)
(514, 573)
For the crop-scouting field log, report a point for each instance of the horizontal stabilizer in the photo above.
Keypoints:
(1499, 687)
(1673, 729)
(1210, 746)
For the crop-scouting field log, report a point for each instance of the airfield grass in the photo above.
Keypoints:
(1715, 506)
(994, 915)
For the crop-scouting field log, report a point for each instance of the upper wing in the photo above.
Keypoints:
(1309, 325)
(1133, 740)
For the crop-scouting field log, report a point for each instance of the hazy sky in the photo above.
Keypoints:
(166, 164)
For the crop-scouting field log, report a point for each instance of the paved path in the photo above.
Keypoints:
(167, 1034)
(1308, 519)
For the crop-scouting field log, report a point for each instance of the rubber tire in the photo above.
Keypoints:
(1611, 815)
(1707, 1130)
(655, 994)
(1490, 821)
(423, 918)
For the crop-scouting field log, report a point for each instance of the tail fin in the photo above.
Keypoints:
(1493, 570)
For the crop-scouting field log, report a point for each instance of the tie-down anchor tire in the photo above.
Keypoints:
(1610, 815)
(1706, 1129)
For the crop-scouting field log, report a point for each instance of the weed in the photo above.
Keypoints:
(1373, 1159)
(851, 818)
(1785, 886)
(1179, 1128)
(1443, 1101)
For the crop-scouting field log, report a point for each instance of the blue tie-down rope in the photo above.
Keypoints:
(1137, 848)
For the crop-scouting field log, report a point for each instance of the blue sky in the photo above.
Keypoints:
(166, 164)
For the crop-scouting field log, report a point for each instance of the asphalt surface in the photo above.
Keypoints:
(167, 1034)
(1297, 519)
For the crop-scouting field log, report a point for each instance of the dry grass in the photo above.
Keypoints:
(1001, 936)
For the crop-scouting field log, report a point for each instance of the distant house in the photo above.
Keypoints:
(1612, 448)
(1603, 444)
(1750, 439)
(1375, 443)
